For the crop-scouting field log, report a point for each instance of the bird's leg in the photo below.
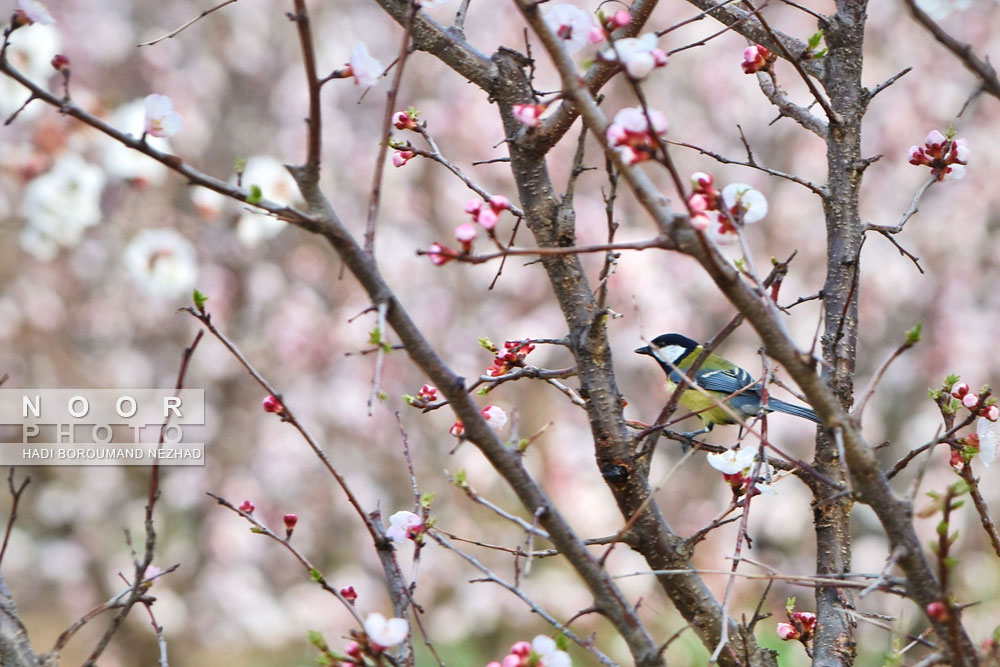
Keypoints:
(689, 437)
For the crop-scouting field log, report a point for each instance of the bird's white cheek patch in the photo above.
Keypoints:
(670, 353)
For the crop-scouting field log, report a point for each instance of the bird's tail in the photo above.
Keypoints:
(789, 409)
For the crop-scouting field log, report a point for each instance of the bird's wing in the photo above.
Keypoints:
(727, 381)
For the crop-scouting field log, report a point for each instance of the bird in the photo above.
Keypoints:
(719, 378)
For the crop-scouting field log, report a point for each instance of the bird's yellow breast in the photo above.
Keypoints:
(696, 401)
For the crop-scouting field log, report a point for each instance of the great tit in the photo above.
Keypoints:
(719, 377)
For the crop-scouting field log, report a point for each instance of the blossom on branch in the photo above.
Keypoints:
(162, 262)
(989, 438)
(161, 119)
(571, 24)
(945, 155)
(383, 632)
(746, 204)
(541, 652)
(529, 115)
(365, 69)
(639, 55)
(403, 526)
(33, 11)
(756, 58)
(632, 134)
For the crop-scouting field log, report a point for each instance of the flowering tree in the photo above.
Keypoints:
(571, 200)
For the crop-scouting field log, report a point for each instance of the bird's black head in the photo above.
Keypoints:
(670, 347)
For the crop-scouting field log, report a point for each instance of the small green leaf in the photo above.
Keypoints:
(562, 643)
(426, 499)
(942, 528)
(790, 605)
(815, 39)
(482, 391)
(317, 640)
(256, 530)
(255, 194)
(487, 344)
(408, 399)
(935, 394)
(315, 575)
(199, 301)
(241, 164)
(950, 562)
(461, 478)
(375, 337)
(382, 396)
(820, 53)
(951, 380)
(913, 335)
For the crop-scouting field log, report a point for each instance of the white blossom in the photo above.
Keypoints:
(989, 439)
(732, 461)
(36, 12)
(60, 204)
(30, 52)
(400, 525)
(386, 632)
(753, 202)
(549, 653)
(161, 119)
(162, 262)
(366, 69)
(571, 24)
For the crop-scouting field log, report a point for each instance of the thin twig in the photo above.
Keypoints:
(174, 33)
(15, 494)
(383, 148)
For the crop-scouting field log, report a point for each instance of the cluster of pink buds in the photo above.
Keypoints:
(802, 625)
(756, 58)
(619, 19)
(424, 397)
(510, 358)
(485, 214)
(634, 136)
(494, 415)
(247, 506)
(970, 401)
(945, 155)
(541, 652)
(720, 214)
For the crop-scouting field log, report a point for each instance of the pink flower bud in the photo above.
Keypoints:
(754, 58)
(349, 594)
(495, 416)
(399, 158)
(290, 521)
(660, 57)
(698, 202)
(465, 234)
(596, 35)
(937, 610)
(528, 115)
(521, 649)
(992, 413)
(60, 62)
(621, 18)
(934, 139)
(457, 429)
(917, 155)
(247, 506)
(806, 618)
(787, 631)
(701, 181)
(970, 400)
(487, 218)
(353, 649)
(960, 390)
(440, 254)
(473, 207)
(499, 203)
(272, 404)
(402, 121)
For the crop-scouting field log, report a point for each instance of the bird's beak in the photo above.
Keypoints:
(644, 350)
